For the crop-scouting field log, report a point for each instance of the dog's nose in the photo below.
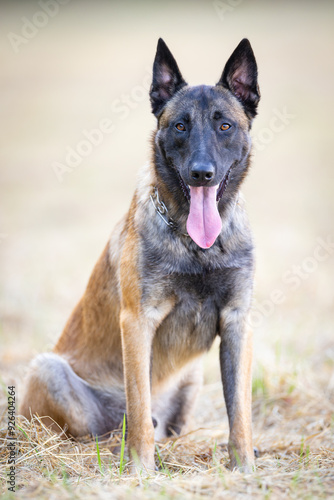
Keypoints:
(202, 172)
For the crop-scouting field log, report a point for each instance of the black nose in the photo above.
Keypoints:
(202, 172)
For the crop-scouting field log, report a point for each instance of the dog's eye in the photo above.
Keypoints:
(180, 127)
(225, 126)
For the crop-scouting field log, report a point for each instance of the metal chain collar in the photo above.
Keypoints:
(162, 211)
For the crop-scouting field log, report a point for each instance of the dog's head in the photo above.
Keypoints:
(203, 133)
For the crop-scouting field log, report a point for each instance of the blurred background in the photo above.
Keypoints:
(75, 129)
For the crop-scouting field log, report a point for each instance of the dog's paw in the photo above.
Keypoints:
(142, 465)
(245, 466)
(139, 470)
(244, 469)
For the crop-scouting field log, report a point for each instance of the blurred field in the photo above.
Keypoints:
(63, 81)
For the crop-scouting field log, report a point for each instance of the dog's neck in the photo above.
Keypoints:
(163, 212)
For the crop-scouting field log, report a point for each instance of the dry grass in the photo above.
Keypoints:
(65, 80)
(294, 434)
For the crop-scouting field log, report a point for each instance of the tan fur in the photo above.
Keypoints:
(93, 321)
(240, 440)
(136, 344)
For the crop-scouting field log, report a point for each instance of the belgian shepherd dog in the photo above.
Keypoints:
(177, 272)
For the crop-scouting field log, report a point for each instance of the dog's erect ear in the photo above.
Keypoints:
(167, 78)
(240, 77)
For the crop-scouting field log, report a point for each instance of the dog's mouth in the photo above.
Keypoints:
(220, 191)
(223, 185)
(204, 223)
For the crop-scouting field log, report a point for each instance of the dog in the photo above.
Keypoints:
(177, 272)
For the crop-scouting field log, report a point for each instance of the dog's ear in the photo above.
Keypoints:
(240, 77)
(167, 78)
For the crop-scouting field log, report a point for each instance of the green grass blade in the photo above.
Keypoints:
(23, 432)
(99, 456)
(162, 465)
(121, 460)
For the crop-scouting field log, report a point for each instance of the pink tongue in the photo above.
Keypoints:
(204, 223)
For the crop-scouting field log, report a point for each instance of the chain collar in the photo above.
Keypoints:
(162, 211)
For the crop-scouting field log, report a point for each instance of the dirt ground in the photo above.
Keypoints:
(66, 69)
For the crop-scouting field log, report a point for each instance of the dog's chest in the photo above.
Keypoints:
(191, 326)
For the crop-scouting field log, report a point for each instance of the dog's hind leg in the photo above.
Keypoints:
(173, 408)
(184, 399)
(55, 392)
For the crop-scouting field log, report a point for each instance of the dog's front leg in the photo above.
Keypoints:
(139, 320)
(236, 367)
(136, 345)
(137, 335)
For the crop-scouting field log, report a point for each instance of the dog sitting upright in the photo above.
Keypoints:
(176, 273)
